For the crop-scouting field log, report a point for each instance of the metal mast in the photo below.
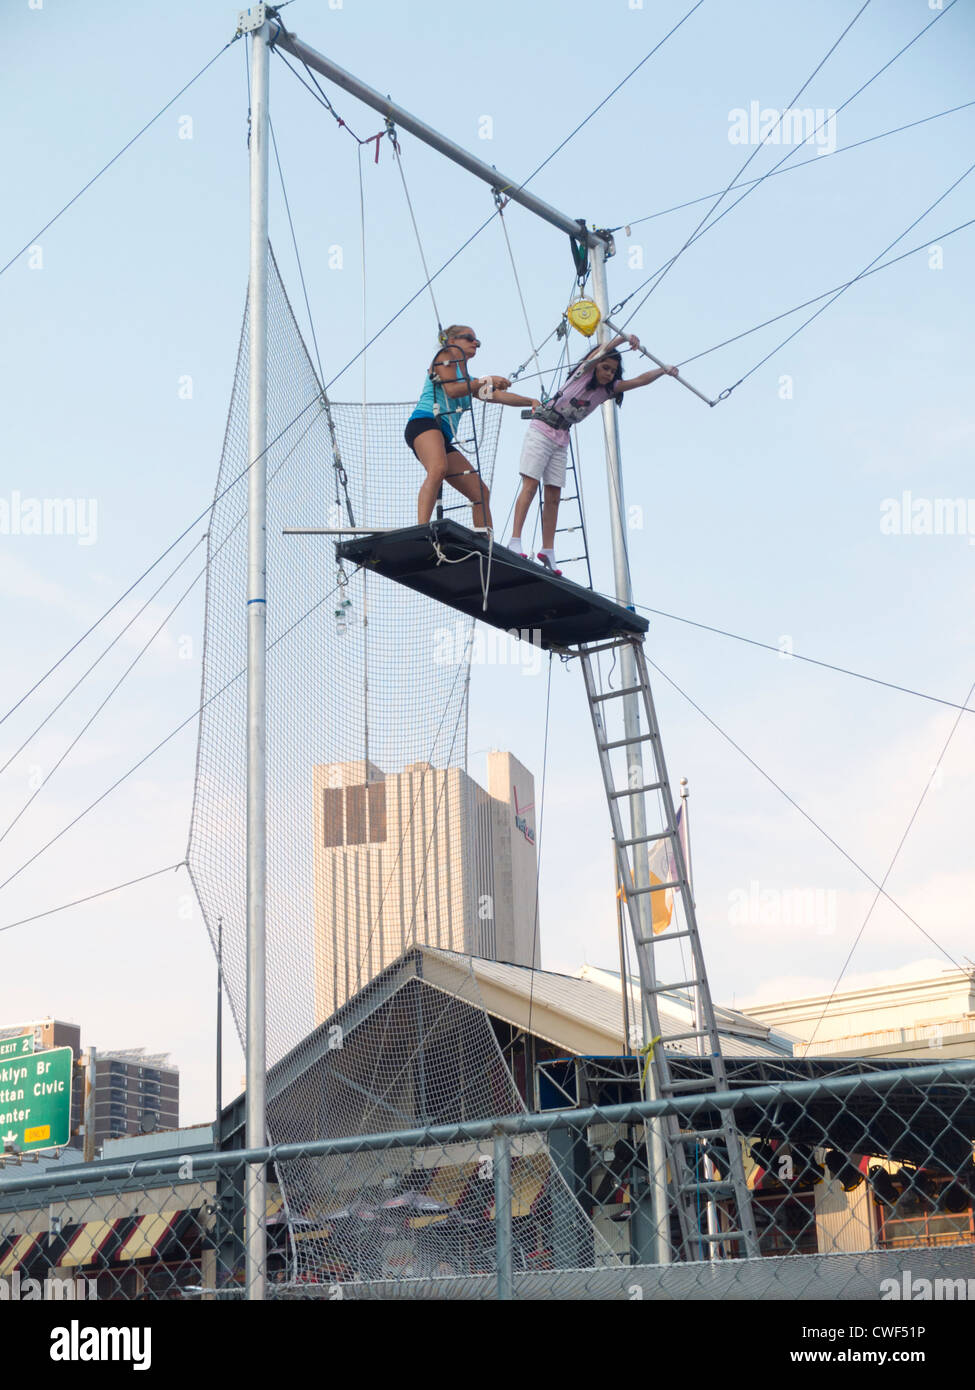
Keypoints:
(254, 22)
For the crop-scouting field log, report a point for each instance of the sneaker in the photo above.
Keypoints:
(547, 564)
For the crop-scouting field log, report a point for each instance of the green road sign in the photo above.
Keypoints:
(35, 1100)
(20, 1046)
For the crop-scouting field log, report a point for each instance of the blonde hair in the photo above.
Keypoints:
(451, 332)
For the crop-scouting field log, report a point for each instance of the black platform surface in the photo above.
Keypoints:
(521, 595)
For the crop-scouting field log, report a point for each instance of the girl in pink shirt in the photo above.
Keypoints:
(598, 378)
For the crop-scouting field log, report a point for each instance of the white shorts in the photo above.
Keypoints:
(543, 459)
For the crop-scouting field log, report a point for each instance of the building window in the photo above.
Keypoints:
(332, 798)
(354, 815)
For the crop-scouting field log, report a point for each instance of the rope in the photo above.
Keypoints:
(391, 132)
(500, 204)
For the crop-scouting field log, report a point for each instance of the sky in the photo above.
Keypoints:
(801, 512)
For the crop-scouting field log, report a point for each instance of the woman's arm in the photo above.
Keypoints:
(453, 388)
(643, 380)
(490, 392)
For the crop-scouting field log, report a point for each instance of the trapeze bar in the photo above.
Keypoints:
(706, 399)
(511, 188)
(466, 571)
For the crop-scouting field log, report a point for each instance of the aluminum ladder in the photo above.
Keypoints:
(624, 729)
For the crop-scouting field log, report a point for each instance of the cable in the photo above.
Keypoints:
(118, 636)
(728, 389)
(294, 243)
(922, 246)
(182, 535)
(890, 867)
(788, 155)
(605, 99)
(101, 894)
(803, 163)
(754, 154)
(812, 661)
(91, 719)
(171, 735)
(115, 157)
(391, 132)
(805, 814)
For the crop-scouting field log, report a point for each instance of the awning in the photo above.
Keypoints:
(18, 1251)
(90, 1242)
(149, 1236)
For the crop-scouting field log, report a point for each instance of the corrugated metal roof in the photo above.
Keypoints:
(567, 1010)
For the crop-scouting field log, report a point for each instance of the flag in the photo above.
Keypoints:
(663, 869)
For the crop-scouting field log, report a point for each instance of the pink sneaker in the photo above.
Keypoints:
(547, 564)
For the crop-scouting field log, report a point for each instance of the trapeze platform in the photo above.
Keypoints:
(520, 594)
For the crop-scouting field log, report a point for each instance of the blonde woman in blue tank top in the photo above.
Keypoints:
(432, 428)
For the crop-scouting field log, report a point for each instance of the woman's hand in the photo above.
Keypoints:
(535, 405)
(633, 341)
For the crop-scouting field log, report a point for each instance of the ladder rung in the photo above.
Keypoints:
(693, 1136)
(693, 1186)
(678, 984)
(635, 791)
(605, 647)
(697, 1033)
(719, 1236)
(645, 839)
(615, 694)
(699, 1084)
(653, 940)
(654, 888)
(625, 742)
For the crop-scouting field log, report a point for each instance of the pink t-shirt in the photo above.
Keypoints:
(575, 401)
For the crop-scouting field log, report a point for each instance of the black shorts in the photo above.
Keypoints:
(426, 422)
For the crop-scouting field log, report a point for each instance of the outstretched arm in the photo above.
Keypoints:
(644, 379)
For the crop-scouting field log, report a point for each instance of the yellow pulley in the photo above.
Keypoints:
(584, 315)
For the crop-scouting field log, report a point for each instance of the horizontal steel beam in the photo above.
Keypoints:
(511, 188)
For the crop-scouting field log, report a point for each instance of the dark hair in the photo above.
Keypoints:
(592, 384)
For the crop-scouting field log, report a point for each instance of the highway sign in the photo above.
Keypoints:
(21, 1046)
(35, 1100)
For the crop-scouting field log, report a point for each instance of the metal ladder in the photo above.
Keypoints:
(661, 961)
(573, 496)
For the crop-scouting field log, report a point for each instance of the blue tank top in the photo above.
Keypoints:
(435, 404)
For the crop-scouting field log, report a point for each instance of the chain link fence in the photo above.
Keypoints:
(862, 1187)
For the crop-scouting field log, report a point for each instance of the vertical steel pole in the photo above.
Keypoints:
(631, 723)
(256, 1203)
(502, 1216)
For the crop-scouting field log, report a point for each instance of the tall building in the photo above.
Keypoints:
(425, 856)
(135, 1093)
